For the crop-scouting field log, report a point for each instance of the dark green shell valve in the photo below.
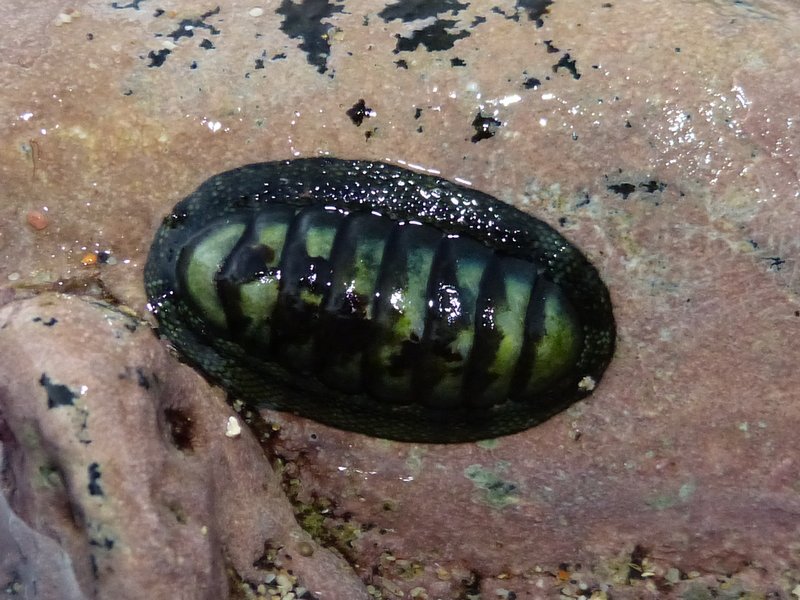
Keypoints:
(379, 300)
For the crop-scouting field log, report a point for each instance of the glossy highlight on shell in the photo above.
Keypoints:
(379, 300)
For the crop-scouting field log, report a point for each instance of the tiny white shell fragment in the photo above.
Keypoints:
(233, 428)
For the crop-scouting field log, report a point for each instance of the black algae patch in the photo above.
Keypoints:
(485, 127)
(626, 188)
(187, 27)
(57, 394)
(535, 9)
(416, 10)
(775, 262)
(141, 379)
(49, 323)
(134, 4)
(105, 543)
(94, 480)
(653, 186)
(157, 58)
(305, 21)
(434, 37)
(623, 189)
(359, 112)
(568, 63)
(531, 83)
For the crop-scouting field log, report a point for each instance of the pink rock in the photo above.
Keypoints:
(118, 476)
(31, 562)
(684, 459)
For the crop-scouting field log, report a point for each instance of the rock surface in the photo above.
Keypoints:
(661, 138)
(119, 469)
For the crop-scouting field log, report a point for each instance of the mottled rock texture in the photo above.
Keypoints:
(118, 478)
(659, 137)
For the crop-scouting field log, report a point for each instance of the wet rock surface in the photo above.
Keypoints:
(122, 477)
(660, 138)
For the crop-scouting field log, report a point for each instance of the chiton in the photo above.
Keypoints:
(379, 300)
